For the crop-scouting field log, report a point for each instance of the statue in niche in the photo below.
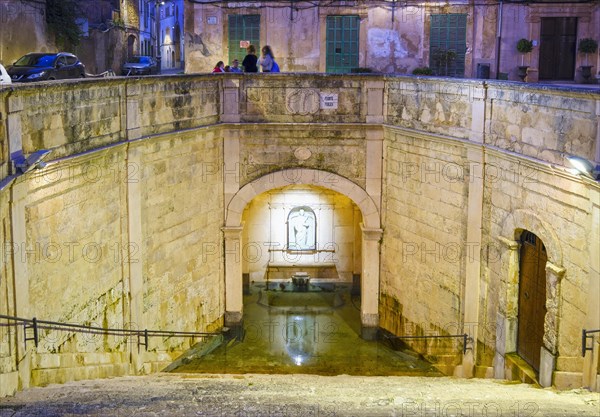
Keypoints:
(302, 229)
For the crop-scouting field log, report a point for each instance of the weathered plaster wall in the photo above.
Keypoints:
(103, 51)
(394, 37)
(15, 42)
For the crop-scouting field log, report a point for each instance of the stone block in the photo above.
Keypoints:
(567, 380)
(48, 360)
(9, 383)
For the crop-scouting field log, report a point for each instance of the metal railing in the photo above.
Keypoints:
(31, 328)
(584, 338)
(465, 337)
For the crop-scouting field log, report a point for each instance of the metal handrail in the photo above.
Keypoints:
(36, 325)
(464, 336)
(584, 338)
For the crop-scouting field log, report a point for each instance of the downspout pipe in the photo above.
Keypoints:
(499, 38)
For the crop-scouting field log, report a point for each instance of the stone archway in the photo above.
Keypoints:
(371, 235)
(507, 324)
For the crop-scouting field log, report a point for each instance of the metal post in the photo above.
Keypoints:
(35, 332)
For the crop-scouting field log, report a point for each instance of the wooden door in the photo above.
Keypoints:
(558, 41)
(532, 299)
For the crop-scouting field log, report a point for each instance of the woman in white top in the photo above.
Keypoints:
(266, 59)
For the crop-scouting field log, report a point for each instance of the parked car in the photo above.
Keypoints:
(140, 65)
(46, 66)
(4, 77)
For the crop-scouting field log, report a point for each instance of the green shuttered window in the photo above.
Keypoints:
(243, 28)
(342, 43)
(448, 44)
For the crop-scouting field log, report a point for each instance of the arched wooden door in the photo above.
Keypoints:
(532, 298)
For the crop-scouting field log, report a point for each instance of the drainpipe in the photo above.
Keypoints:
(498, 39)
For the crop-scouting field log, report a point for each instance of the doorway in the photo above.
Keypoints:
(532, 299)
(558, 41)
(130, 46)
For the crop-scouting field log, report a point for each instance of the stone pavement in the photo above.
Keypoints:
(166, 395)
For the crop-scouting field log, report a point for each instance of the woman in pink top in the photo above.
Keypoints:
(220, 67)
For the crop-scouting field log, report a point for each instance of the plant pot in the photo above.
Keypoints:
(522, 73)
(586, 72)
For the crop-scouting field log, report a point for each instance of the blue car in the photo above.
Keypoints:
(46, 66)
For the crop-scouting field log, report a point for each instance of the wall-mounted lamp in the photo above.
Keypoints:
(584, 167)
(35, 160)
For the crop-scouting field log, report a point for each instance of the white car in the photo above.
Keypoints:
(4, 77)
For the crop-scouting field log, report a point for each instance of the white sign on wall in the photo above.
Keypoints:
(211, 20)
(244, 44)
(329, 101)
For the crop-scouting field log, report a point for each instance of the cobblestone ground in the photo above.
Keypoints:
(166, 395)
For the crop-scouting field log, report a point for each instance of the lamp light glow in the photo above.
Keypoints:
(584, 167)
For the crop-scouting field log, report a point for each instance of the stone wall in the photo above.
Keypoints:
(73, 258)
(111, 233)
(526, 121)
(123, 227)
(432, 105)
(560, 212)
(424, 212)
(182, 284)
(8, 346)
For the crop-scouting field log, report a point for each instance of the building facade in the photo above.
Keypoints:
(171, 35)
(454, 38)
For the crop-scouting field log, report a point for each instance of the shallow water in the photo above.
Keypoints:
(312, 331)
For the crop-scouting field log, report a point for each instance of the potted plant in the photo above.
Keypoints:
(587, 46)
(443, 59)
(524, 46)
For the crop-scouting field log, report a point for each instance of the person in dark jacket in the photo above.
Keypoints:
(250, 60)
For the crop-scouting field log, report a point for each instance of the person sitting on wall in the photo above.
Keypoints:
(250, 60)
(219, 67)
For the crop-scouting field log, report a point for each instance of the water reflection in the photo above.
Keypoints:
(300, 336)
(313, 331)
